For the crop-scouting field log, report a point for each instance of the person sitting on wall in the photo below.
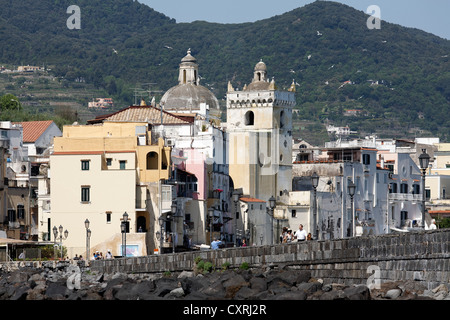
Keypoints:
(215, 244)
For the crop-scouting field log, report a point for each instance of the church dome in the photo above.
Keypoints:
(260, 66)
(188, 94)
(188, 97)
(189, 58)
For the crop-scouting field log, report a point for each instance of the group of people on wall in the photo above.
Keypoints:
(287, 236)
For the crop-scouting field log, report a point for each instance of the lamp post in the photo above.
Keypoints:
(173, 210)
(315, 183)
(351, 191)
(61, 238)
(272, 205)
(211, 217)
(161, 223)
(424, 160)
(88, 236)
(123, 228)
(236, 200)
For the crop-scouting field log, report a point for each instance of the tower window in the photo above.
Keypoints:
(249, 118)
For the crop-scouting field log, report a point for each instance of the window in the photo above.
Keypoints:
(85, 194)
(403, 188)
(294, 213)
(11, 215)
(366, 158)
(249, 118)
(347, 157)
(282, 120)
(85, 164)
(108, 217)
(20, 211)
(108, 162)
(122, 164)
(152, 161)
(416, 189)
(403, 217)
(393, 188)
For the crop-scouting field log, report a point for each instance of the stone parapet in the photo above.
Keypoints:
(421, 256)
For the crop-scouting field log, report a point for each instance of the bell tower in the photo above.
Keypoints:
(188, 73)
(259, 124)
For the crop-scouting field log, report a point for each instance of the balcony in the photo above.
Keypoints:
(141, 205)
(405, 197)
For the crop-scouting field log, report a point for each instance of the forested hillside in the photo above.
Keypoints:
(396, 78)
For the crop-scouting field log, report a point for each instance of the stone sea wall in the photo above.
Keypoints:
(418, 256)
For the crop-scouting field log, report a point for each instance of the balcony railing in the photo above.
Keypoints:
(405, 197)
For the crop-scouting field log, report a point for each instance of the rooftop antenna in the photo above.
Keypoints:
(139, 93)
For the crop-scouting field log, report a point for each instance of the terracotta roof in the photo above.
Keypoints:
(441, 213)
(245, 199)
(141, 113)
(32, 130)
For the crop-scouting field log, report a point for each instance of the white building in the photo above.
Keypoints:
(385, 199)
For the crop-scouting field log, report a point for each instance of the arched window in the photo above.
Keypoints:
(282, 119)
(152, 161)
(184, 76)
(249, 118)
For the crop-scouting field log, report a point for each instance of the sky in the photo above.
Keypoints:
(428, 15)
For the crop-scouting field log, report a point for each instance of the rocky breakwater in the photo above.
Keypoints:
(65, 281)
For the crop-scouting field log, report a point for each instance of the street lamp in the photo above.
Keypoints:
(351, 191)
(315, 183)
(272, 205)
(161, 223)
(211, 217)
(424, 160)
(88, 236)
(173, 210)
(123, 227)
(236, 195)
(61, 238)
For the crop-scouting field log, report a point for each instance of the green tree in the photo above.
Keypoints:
(10, 102)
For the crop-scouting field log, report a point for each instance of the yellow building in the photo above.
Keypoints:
(99, 172)
(441, 163)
